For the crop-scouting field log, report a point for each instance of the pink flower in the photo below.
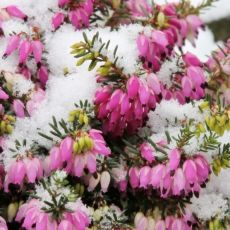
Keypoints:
(145, 176)
(190, 171)
(166, 184)
(187, 86)
(194, 23)
(142, 223)
(119, 175)
(142, 44)
(12, 45)
(43, 75)
(31, 214)
(203, 168)
(77, 162)
(73, 17)
(134, 177)
(79, 165)
(191, 60)
(26, 72)
(154, 83)
(99, 143)
(37, 48)
(3, 95)
(57, 20)
(3, 225)
(66, 148)
(55, 158)
(177, 224)
(16, 12)
(174, 159)
(124, 110)
(160, 225)
(125, 104)
(144, 94)
(102, 94)
(30, 168)
(16, 173)
(114, 100)
(178, 182)
(65, 225)
(196, 74)
(147, 152)
(160, 38)
(158, 172)
(19, 108)
(34, 169)
(138, 7)
(133, 85)
(24, 51)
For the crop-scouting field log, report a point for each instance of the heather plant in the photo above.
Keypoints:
(107, 122)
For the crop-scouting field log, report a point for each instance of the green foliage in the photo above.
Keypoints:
(222, 160)
(78, 119)
(94, 51)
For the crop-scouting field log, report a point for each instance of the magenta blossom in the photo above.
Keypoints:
(139, 7)
(79, 159)
(147, 152)
(19, 108)
(125, 110)
(3, 225)
(12, 45)
(77, 14)
(14, 11)
(172, 178)
(31, 214)
(28, 169)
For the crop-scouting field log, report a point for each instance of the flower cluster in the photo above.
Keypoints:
(218, 67)
(79, 152)
(191, 80)
(28, 45)
(170, 222)
(173, 178)
(133, 136)
(175, 27)
(21, 101)
(24, 170)
(77, 13)
(52, 202)
(125, 110)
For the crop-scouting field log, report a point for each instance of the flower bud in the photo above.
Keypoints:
(12, 211)
(105, 181)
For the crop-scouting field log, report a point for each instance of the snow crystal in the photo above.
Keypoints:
(220, 183)
(22, 86)
(171, 113)
(167, 69)
(14, 26)
(209, 205)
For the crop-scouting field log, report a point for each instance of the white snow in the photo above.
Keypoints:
(209, 205)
